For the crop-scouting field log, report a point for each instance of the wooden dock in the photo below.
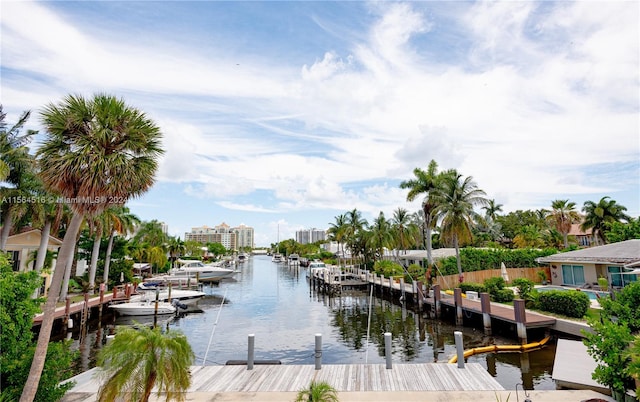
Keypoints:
(344, 378)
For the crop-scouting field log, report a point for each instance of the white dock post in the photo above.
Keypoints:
(387, 348)
(250, 352)
(318, 351)
(459, 348)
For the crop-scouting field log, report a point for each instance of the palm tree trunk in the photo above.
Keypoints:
(66, 251)
(64, 290)
(6, 227)
(428, 222)
(151, 381)
(42, 249)
(107, 259)
(94, 260)
(459, 264)
(565, 238)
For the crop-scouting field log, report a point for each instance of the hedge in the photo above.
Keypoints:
(572, 303)
(476, 259)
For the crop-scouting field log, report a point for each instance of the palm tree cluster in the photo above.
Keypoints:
(97, 154)
(449, 203)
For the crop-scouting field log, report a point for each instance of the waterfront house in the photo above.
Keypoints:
(618, 262)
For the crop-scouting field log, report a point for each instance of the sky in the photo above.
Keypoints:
(284, 115)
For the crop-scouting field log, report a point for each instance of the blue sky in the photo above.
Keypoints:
(283, 115)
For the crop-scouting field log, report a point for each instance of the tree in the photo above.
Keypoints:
(612, 335)
(138, 359)
(618, 231)
(424, 183)
(354, 225)
(96, 152)
(17, 308)
(338, 231)
(404, 230)
(381, 236)
(562, 216)
(456, 199)
(597, 216)
(318, 391)
(492, 209)
(18, 168)
(119, 220)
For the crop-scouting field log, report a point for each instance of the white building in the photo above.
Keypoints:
(308, 236)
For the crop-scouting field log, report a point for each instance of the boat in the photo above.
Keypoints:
(294, 259)
(143, 307)
(277, 258)
(188, 297)
(193, 269)
(242, 258)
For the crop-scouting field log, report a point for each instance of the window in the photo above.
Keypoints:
(618, 279)
(572, 275)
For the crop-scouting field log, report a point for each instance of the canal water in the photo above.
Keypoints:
(275, 303)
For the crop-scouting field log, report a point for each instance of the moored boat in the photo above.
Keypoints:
(143, 307)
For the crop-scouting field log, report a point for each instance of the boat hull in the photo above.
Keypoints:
(143, 308)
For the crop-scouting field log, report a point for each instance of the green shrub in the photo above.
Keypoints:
(492, 285)
(570, 303)
(388, 268)
(476, 259)
(525, 287)
(603, 283)
(503, 295)
(473, 287)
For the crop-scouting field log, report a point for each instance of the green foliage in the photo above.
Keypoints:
(571, 303)
(388, 268)
(603, 283)
(503, 295)
(474, 259)
(525, 287)
(618, 231)
(493, 284)
(610, 344)
(138, 360)
(414, 272)
(17, 309)
(542, 274)
(472, 287)
(318, 391)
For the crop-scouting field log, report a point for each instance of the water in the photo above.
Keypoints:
(275, 303)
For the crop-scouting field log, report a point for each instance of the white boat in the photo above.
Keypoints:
(277, 258)
(143, 307)
(294, 259)
(193, 269)
(188, 297)
(242, 258)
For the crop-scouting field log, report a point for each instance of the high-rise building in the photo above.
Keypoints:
(310, 236)
(230, 238)
(244, 236)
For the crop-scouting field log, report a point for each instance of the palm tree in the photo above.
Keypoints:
(456, 200)
(337, 231)
(96, 152)
(424, 183)
(381, 235)
(354, 224)
(119, 221)
(404, 230)
(18, 166)
(562, 216)
(176, 248)
(139, 359)
(492, 209)
(318, 392)
(606, 211)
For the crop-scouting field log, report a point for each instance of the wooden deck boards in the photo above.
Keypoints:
(345, 378)
(504, 313)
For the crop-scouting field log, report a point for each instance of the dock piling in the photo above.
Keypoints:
(250, 352)
(387, 348)
(318, 351)
(459, 348)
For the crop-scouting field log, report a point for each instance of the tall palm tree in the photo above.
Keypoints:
(121, 221)
(492, 209)
(403, 229)
(456, 201)
(563, 214)
(139, 359)
(176, 248)
(424, 183)
(338, 230)
(354, 225)
(96, 152)
(381, 235)
(606, 211)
